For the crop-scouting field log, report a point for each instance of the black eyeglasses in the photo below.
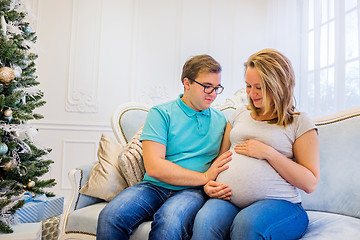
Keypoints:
(210, 89)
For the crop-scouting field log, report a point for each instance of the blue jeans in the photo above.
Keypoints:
(264, 219)
(172, 212)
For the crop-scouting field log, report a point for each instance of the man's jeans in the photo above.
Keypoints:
(264, 219)
(172, 212)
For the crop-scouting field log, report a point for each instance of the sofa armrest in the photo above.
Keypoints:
(75, 178)
(78, 177)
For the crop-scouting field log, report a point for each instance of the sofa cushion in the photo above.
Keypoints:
(131, 161)
(142, 231)
(106, 179)
(84, 220)
(322, 225)
(325, 226)
(84, 200)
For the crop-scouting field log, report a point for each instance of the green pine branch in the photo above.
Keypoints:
(5, 228)
(24, 164)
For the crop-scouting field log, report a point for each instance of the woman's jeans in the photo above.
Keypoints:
(264, 219)
(172, 212)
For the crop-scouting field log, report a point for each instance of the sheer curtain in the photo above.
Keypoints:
(330, 56)
(284, 33)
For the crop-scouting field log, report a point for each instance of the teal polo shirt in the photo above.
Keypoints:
(192, 138)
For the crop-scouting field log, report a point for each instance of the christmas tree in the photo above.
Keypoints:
(22, 163)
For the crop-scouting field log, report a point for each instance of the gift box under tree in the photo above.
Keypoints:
(50, 228)
(39, 208)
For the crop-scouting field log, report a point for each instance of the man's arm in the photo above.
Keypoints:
(215, 189)
(158, 167)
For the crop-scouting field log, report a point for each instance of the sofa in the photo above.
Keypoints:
(333, 208)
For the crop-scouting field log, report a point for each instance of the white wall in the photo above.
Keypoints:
(96, 54)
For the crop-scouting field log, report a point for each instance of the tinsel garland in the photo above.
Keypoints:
(5, 212)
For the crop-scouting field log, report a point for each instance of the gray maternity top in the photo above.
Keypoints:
(254, 179)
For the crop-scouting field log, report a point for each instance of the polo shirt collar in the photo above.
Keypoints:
(188, 110)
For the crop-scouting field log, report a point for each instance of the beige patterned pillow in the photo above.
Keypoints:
(131, 162)
(106, 179)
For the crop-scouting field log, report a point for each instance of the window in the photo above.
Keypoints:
(330, 56)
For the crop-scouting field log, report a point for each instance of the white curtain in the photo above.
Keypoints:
(284, 31)
(329, 56)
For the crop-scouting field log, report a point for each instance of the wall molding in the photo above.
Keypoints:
(78, 126)
(83, 78)
(155, 95)
(93, 144)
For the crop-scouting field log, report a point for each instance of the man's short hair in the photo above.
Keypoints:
(199, 64)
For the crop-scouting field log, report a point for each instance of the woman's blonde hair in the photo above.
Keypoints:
(277, 83)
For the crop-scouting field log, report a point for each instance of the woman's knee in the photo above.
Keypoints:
(244, 227)
(270, 219)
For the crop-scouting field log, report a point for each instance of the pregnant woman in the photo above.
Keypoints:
(275, 153)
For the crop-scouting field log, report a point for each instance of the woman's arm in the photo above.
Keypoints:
(164, 170)
(304, 173)
(225, 143)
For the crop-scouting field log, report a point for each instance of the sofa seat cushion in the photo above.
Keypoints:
(322, 225)
(84, 220)
(142, 232)
(325, 226)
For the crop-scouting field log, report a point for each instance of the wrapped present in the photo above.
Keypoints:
(39, 208)
(53, 207)
(50, 228)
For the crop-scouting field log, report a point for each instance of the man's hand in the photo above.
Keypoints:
(218, 166)
(217, 190)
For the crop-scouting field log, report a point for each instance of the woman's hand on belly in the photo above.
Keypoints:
(253, 148)
(217, 190)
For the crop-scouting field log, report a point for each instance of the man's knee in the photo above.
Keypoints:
(104, 216)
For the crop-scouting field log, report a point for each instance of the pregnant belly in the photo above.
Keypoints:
(252, 179)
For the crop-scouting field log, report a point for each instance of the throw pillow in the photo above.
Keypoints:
(105, 179)
(131, 161)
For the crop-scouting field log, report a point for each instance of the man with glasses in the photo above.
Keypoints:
(181, 140)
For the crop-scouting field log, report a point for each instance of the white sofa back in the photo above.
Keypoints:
(338, 190)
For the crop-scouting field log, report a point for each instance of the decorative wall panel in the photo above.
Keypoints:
(156, 51)
(83, 76)
(80, 126)
(76, 151)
